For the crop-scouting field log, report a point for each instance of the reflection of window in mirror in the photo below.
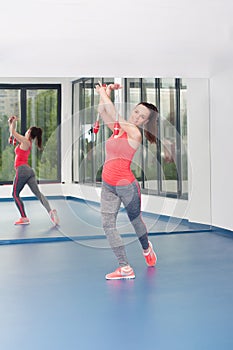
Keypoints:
(40, 106)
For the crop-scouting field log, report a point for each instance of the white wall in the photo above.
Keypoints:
(199, 208)
(80, 38)
(66, 131)
(221, 148)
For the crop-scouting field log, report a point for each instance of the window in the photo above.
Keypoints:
(161, 169)
(38, 105)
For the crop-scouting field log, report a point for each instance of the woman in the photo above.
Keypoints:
(118, 182)
(24, 173)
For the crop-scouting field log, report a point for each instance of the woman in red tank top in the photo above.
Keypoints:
(118, 182)
(24, 173)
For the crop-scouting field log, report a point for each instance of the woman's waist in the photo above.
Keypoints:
(17, 165)
(118, 177)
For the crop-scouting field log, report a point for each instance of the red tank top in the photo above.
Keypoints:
(21, 156)
(119, 155)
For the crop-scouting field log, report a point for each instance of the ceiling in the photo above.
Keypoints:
(124, 38)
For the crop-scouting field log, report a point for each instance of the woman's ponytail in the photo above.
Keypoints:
(151, 127)
(36, 133)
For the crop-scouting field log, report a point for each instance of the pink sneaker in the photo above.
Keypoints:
(150, 255)
(54, 217)
(22, 221)
(121, 273)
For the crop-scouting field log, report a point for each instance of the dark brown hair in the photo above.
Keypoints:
(151, 127)
(36, 133)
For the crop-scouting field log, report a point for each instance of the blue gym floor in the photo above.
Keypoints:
(79, 220)
(54, 295)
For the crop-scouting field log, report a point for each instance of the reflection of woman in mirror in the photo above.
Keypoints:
(118, 182)
(24, 173)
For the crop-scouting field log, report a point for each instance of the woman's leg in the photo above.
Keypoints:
(19, 182)
(110, 205)
(32, 183)
(130, 196)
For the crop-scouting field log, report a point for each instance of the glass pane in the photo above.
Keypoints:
(84, 115)
(86, 131)
(168, 135)
(184, 144)
(42, 112)
(133, 90)
(101, 136)
(150, 167)
(9, 105)
(149, 94)
(149, 91)
(76, 146)
(133, 93)
(80, 140)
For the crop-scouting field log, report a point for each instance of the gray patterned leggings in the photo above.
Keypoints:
(111, 199)
(26, 175)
